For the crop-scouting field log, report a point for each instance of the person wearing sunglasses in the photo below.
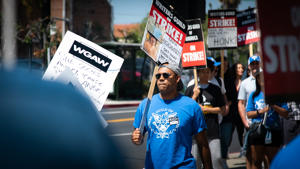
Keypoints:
(211, 101)
(172, 121)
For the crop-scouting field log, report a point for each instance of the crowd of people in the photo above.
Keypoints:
(195, 129)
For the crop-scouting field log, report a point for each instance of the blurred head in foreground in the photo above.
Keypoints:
(49, 125)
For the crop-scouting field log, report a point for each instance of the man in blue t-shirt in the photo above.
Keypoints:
(172, 121)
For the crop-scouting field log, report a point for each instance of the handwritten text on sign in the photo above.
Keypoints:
(94, 67)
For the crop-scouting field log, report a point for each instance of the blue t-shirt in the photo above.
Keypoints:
(170, 126)
(258, 103)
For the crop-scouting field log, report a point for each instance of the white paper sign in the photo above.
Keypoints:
(222, 29)
(94, 67)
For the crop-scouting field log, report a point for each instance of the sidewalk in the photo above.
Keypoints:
(236, 162)
(121, 103)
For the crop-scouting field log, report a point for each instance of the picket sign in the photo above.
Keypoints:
(163, 41)
(85, 66)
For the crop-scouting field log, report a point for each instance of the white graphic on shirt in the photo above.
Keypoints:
(163, 123)
(260, 104)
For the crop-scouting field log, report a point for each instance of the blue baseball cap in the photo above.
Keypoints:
(214, 61)
(253, 58)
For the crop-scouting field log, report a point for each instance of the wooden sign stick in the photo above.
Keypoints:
(251, 49)
(195, 77)
(222, 64)
(149, 98)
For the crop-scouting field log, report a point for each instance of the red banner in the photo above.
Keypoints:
(279, 24)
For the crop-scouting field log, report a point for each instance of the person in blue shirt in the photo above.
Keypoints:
(288, 157)
(172, 121)
(265, 143)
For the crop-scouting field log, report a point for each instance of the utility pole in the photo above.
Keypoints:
(63, 18)
(8, 40)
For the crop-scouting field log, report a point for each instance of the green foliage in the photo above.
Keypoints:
(136, 35)
(230, 4)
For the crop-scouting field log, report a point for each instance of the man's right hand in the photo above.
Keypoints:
(136, 137)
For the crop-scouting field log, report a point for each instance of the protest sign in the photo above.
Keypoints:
(222, 29)
(164, 35)
(193, 53)
(247, 31)
(279, 23)
(94, 67)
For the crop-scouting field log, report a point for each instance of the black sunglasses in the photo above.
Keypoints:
(165, 75)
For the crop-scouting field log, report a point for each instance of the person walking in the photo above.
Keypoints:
(232, 120)
(211, 100)
(172, 121)
(264, 139)
(248, 86)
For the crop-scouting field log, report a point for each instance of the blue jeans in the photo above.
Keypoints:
(226, 130)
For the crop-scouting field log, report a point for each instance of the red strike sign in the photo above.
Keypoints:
(247, 35)
(280, 43)
(222, 23)
(193, 54)
(247, 31)
(175, 33)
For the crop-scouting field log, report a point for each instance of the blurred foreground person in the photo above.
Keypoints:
(172, 121)
(49, 125)
(288, 157)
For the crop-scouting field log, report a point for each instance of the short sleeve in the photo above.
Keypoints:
(198, 121)
(242, 92)
(189, 91)
(223, 90)
(139, 114)
(250, 105)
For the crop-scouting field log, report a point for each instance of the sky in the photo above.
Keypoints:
(133, 11)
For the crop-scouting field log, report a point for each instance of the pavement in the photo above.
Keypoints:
(234, 161)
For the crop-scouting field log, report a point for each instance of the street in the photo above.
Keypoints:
(120, 127)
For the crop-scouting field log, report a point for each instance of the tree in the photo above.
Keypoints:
(230, 4)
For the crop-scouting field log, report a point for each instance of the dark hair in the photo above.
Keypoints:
(210, 65)
(231, 73)
(218, 59)
(258, 87)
